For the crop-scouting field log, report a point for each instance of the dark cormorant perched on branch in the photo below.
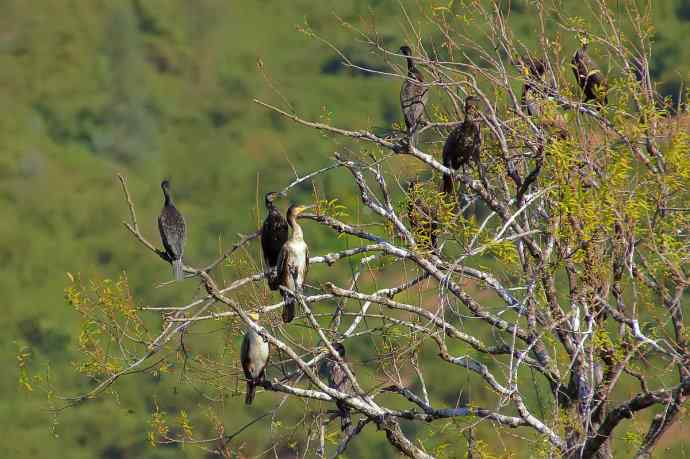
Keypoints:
(338, 380)
(173, 231)
(588, 76)
(533, 70)
(254, 358)
(463, 144)
(413, 95)
(293, 262)
(274, 233)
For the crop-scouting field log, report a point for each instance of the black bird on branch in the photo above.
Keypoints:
(338, 380)
(274, 233)
(588, 76)
(463, 144)
(173, 231)
(533, 71)
(413, 96)
(293, 262)
(254, 358)
(534, 94)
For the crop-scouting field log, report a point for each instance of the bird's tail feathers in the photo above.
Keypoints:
(177, 269)
(447, 185)
(345, 422)
(345, 418)
(272, 277)
(251, 391)
(289, 309)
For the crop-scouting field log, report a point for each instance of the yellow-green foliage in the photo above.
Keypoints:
(110, 325)
(159, 426)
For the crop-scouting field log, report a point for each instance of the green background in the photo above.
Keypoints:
(164, 88)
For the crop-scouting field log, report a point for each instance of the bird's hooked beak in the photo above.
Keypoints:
(301, 209)
(274, 196)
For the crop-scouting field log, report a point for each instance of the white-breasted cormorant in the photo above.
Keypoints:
(173, 231)
(274, 233)
(413, 95)
(463, 144)
(588, 76)
(254, 359)
(338, 380)
(293, 262)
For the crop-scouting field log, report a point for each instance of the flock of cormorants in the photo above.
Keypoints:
(286, 257)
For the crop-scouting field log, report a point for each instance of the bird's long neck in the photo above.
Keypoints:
(410, 65)
(412, 70)
(168, 198)
(296, 229)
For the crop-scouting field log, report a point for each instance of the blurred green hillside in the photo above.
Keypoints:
(164, 88)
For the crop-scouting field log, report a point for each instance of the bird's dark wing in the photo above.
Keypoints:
(173, 231)
(274, 233)
(282, 271)
(413, 97)
(306, 263)
(244, 357)
(469, 142)
(450, 149)
(530, 102)
(338, 379)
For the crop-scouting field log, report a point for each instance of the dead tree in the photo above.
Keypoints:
(584, 294)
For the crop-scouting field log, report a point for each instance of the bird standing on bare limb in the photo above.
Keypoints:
(463, 144)
(274, 233)
(293, 262)
(413, 95)
(338, 380)
(533, 71)
(588, 76)
(254, 358)
(173, 231)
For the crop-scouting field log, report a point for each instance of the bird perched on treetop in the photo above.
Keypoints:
(173, 231)
(254, 358)
(338, 380)
(413, 95)
(463, 144)
(293, 262)
(588, 76)
(274, 233)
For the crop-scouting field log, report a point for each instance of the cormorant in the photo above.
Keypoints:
(274, 233)
(422, 218)
(533, 70)
(413, 95)
(254, 358)
(533, 96)
(293, 262)
(463, 144)
(173, 231)
(588, 76)
(338, 380)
